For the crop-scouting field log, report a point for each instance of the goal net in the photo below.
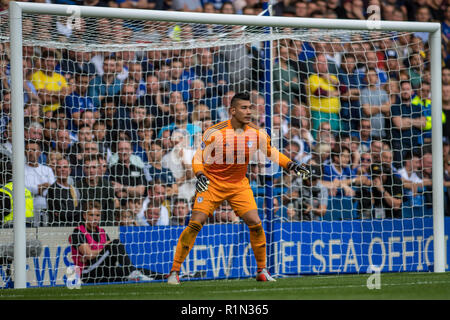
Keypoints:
(115, 109)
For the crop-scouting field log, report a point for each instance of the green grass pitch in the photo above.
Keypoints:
(398, 286)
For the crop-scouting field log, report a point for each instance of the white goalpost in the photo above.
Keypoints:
(288, 34)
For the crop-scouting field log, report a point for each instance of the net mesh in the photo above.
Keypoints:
(115, 110)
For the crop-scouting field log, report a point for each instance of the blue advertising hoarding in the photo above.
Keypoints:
(224, 250)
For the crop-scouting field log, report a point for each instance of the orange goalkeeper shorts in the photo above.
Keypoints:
(239, 196)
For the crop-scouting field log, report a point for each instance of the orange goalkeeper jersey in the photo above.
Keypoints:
(224, 153)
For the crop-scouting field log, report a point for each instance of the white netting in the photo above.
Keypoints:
(115, 111)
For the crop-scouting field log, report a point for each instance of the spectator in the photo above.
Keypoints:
(79, 101)
(285, 80)
(212, 72)
(128, 179)
(409, 173)
(179, 161)
(375, 103)
(387, 192)
(99, 130)
(180, 212)
(51, 86)
(154, 212)
(92, 186)
(349, 92)
(153, 100)
(201, 117)
(129, 208)
(63, 142)
(181, 122)
(364, 136)
(99, 258)
(76, 62)
(178, 81)
(87, 148)
(423, 14)
(323, 96)
(154, 170)
(136, 120)
(62, 198)
(106, 85)
(416, 70)
(338, 175)
(197, 95)
(38, 177)
(408, 121)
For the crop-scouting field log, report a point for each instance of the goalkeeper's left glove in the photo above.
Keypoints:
(299, 169)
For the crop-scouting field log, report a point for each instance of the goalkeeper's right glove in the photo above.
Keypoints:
(202, 183)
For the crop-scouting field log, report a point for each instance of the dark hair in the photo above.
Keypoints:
(92, 204)
(240, 96)
(91, 157)
(338, 149)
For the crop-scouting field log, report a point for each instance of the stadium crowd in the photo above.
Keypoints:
(122, 127)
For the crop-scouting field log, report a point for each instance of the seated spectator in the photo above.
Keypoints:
(154, 170)
(179, 162)
(375, 103)
(99, 131)
(106, 85)
(365, 162)
(63, 199)
(197, 95)
(180, 212)
(38, 177)
(387, 193)
(321, 154)
(285, 78)
(99, 258)
(79, 101)
(129, 208)
(153, 211)
(63, 142)
(323, 96)
(51, 86)
(128, 179)
(181, 122)
(410, 175)
(201, 117)
(408, 122)
(212, 71)
(93, 186)
(137, 119)
(337, 174)
(364, 135)
(325, 134)
(154, 102)
(350, 83)
(86, 148)
(178, 81)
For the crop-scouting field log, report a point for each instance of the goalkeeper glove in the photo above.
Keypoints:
(299, 169)
(202, 183)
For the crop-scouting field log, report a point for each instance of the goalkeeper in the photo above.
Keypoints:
(220, 165)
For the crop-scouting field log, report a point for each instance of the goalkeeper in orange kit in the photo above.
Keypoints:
(220, 165)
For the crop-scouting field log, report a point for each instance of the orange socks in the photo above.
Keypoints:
(258, 243)
(185, 244)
